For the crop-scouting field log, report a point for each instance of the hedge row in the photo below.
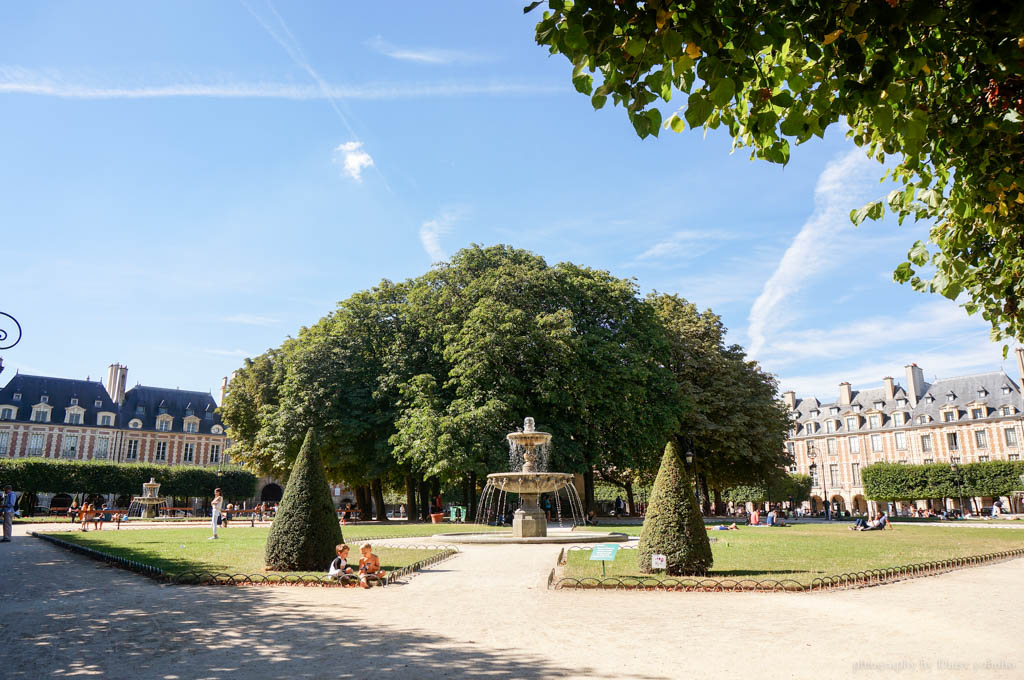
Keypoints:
(33, 476)
(900, 482)
(789, 487)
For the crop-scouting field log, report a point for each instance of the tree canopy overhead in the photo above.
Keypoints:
(936, 84)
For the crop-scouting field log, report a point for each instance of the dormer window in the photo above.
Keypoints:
(208, 415)
(1006, 389)
(950, 396)
(135, 424)
(217, 429)
(44, 399)
(901, 402)
(41, 415)
(188, 413)
(74, 401)
(98, 403)
(1006, 411)
(982, 393)
(851, 423)
(921, 420)
(163, 423)
(857, 408)
(897, 418)
(140, 410)
(830, 426)
(16, 396)
(834, 410)
(879, 404)
(162, 410)
(929, 399)
(874, 421)
(815, 413)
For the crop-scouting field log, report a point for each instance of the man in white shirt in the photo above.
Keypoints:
(216, 505)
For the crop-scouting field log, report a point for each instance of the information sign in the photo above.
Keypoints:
(659, 562)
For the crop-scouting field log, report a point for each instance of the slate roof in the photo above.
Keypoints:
(60, 392)
(155, 400)
(964, 390)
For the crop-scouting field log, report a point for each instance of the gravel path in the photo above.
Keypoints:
(487, 614)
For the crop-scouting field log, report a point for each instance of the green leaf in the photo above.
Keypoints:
(793, 125)
(641, 124)
(672, 44)
(654, 118)
(903, 273)
(574, 38)
(598, 101)
(676, 123)
(698, 109)
(584, 83)
(722, 92)
(930, 197)
(797, 83)
(635, 47)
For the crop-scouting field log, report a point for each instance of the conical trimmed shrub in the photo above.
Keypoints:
(674, 526)
(305, 530)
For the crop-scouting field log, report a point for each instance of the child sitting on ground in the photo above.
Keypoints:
(339, 568)
(368, 564)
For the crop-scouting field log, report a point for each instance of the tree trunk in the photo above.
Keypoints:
(378, 500)
(588, 490)
(424, 500)
(630, 506)
(410, 498)
(363, 500)
(719, 503)
(471, 506)
(705, 502)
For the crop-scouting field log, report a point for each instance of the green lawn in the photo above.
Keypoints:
(808, 551)
(237, 551)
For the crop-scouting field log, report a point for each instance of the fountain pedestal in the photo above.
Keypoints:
(529, 520)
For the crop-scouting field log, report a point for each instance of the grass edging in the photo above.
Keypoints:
(860, 579)
(194, 577)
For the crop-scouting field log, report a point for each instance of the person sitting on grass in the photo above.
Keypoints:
(369, 565)
(339, 568)
(774, 520)
(722, 527)
(754, 518)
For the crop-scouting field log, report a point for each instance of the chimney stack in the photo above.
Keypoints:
(1020, 363)
(915, 382)
(117, 378)
(890, 388)
(845, 394)
(790, 398)
(223, 390)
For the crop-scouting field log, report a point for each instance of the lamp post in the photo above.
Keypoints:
(15, 330)
(960, 492)
(812, 454)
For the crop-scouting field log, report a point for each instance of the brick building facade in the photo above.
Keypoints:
(49, 417)
(969, 419)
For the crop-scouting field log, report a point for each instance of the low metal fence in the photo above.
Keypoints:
(859, 579)
(202, 577)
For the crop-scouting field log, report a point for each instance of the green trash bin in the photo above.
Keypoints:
(457, 513)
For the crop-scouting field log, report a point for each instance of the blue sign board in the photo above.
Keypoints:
(605, 551)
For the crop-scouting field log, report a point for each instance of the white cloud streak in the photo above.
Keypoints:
(353, 159)
(251, 320)
(685, 244)
(421, 55)
(844, 184)
(431, 232)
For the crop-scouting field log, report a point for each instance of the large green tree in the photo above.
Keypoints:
(935, 85)
(728, 411)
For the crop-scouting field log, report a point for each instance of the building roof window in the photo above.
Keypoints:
(1006, 389)
(16, 396)
(834, 410)
(929, 399)
(45, 399)
(879, 404)
(857, 408)
(982, 392)
(901, 402)
(950, 396)
(98, 403)
(140, 410)
(74, 401)
(815, 413)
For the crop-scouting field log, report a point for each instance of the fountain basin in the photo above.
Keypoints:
(554, 536)
(530, 482)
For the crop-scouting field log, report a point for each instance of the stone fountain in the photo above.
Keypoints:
(149, 503)
(529, 521)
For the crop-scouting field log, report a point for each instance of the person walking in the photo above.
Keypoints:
(216, 505)
(8, 510)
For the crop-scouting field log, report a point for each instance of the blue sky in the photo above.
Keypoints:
(187, 183)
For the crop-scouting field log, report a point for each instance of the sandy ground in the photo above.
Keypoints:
(487, 614)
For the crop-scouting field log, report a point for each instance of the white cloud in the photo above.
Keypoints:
(251, 320)
(843, 185)
(683, 244)
(353, 159)
(424, 55)
(431, 232)
(228, 352)
(15, 80)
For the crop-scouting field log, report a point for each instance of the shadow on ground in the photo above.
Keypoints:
(67, 615)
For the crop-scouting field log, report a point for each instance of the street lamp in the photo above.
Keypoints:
(960, 492)
(812, 454)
